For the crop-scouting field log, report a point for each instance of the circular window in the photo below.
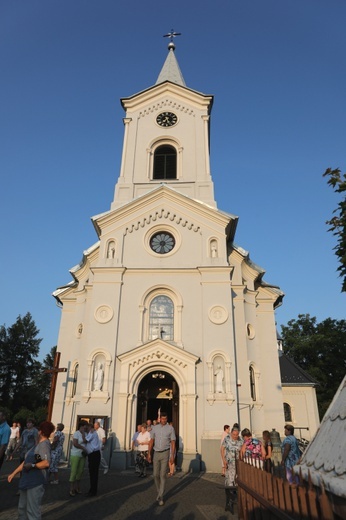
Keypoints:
(162, 242)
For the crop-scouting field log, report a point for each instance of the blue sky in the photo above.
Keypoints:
(277, 71)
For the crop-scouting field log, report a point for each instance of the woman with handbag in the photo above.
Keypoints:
(77, 458)
(34, 471)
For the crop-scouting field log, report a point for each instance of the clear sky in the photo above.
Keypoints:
(277, 71)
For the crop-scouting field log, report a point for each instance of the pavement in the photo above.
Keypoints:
(124, 496)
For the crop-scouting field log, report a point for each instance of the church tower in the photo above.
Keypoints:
(165, 311)
(166, 139)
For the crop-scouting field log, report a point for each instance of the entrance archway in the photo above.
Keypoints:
(158, 390)
(138, 394)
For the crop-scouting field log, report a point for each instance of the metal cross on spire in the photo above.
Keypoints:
(171, 35)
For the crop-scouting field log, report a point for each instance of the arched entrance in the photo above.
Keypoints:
(158, 390)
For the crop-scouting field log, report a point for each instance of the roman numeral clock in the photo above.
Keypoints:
(166, 119)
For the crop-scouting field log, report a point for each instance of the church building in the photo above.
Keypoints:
(165, 312)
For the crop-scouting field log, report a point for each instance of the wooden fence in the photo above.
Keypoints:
(263, 496)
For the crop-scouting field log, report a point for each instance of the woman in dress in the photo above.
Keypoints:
(226, 431)
(230, 449)
(34, 470)
(252, 450)
(57, 446)
(77, 458)
(290, 453)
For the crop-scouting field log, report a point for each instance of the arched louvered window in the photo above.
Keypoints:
(161, 318)
(252, 383)
(165, 162)
(74, 381)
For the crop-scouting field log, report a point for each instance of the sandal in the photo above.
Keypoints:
(72, 493)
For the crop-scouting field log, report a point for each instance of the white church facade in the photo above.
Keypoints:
(165, 311)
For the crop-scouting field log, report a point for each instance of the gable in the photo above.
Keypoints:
(181, 94)
(165, 202)
(193, 227)
(158, 350)
(157, 355)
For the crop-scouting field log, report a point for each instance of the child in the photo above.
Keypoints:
(268, 446)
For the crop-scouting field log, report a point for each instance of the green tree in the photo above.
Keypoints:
(22, 415)
(318, 348)
(338, 223)
(19, 367)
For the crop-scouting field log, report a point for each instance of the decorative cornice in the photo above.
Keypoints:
(162, 214)
(162, 356)
(166, 103)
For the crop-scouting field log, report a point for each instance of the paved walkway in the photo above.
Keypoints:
(124, 496)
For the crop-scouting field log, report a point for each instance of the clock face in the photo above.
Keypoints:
(166, 119)
(162, 242)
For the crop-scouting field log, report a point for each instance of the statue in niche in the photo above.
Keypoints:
(213, 249)
(98, 377)
(218, 380)
(111, 250)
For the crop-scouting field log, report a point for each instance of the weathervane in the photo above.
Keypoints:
(171, 35)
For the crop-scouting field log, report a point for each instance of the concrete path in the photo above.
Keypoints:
(124, 496)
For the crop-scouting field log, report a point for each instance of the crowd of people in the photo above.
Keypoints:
(154, 442)
(40, 451)
(236, 444)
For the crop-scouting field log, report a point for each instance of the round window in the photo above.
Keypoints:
(162, 242)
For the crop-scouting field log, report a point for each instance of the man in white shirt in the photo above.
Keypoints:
(94, 456)
(102, 438)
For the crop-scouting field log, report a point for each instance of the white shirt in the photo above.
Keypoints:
(101, 435)
(93, 442)
(14, 432)
(143, 437)
(77, 452)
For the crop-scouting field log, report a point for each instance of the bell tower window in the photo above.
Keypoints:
(287, 412)
(165, 162)
(252, 383)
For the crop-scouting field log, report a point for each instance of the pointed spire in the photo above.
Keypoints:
(171, 70)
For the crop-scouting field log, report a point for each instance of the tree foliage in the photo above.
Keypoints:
(24, 385)
(318, 348)
(338, 223)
